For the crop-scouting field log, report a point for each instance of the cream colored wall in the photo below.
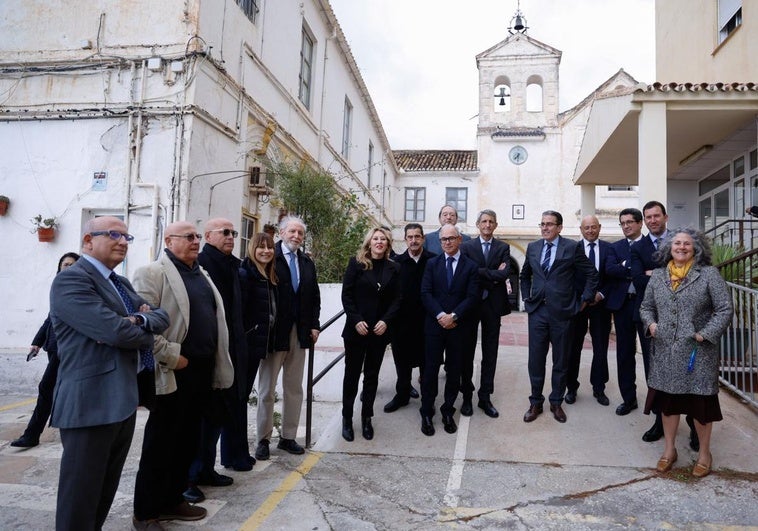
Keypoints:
(687, 48)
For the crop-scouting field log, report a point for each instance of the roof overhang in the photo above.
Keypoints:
(704, 124)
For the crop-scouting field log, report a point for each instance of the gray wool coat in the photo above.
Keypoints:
(703, 305)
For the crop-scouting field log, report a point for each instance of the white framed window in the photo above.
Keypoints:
(306, 68)
(730, 17)
(457, 198)
(415, 204)
(251, 8)
(347, 125)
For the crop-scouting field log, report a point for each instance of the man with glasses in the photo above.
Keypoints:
(227, 415)
(296, 328)
(622, 302)
(100, 323)
(408, 333)
(192, 359)
(449, 293)
(548, 288)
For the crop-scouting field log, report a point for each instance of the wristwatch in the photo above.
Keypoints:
(454, 316)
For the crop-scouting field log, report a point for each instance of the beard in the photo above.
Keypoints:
(290, 246)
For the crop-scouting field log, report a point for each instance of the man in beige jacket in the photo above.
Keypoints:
(192, 358)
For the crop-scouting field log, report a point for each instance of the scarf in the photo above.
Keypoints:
(678, 273)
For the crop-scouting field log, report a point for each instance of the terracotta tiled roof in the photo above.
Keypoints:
(519, 132)
(436, 160)
(697, 87)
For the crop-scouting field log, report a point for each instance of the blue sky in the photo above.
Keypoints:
(417, 57)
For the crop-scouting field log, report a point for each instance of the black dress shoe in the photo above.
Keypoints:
(244, 464)
(291, 446)
(601, 398)
(653, 434)
(214, 479)
(694, 439)
(367, 429)
(395, 404)
(558, 413)
(534, 411)
(466, 408)
(570, 397)
(626, 407)
(414, 393)
(427, 426)
(25, 442)
(262, 452)
(193, 494)
(347, 429)
(449, 423)
(488, 409)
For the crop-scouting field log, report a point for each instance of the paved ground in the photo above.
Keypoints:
(593, 472)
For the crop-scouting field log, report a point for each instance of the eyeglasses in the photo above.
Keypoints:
(547, 225)
(188, 237)
(627, 223)
(448, 239)
(226, 232)
(113, 235)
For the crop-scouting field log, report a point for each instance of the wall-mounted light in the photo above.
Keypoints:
(695, 155)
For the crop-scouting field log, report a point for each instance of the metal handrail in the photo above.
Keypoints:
(313, 381)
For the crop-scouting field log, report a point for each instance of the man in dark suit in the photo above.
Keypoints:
(408, 334)
(622, 302)
(644, 261)
(492, 258)
(447, 214)
(100, 323)
(297, 328)
(595, 316)
(548, 280)
(449, 292)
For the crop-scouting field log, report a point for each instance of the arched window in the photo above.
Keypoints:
(502, 94)
(534, 94)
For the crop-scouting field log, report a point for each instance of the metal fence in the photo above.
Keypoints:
(739, 357)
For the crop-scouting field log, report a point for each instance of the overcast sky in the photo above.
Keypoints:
(417, 57)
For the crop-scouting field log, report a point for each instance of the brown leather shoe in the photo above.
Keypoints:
(558, 413)
(534, 411)
(147, 525)
(183, 511)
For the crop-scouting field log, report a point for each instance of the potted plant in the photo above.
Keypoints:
(4, 202)
(44, 227)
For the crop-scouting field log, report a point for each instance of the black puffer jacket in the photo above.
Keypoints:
(259, 303)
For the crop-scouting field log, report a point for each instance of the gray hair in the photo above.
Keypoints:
(700, 242)
(292, 219)
(457, 230)
(487, 212)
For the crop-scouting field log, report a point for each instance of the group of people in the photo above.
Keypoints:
(188, 337)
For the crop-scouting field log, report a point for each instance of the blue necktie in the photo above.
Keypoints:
(486, 250)
(546, 261)
(592, 253)
(450, 261)
(293, 272)
(145, 353)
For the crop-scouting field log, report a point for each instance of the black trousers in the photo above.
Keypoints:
(44, 406)
(362, 355)
(490, 322)
(627, 331)
(545, 332)
(91, 466)
(598, 320)
(446, 348)
(171, 441)
(407, 352)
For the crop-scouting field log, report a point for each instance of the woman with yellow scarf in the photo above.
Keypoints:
(686, 309)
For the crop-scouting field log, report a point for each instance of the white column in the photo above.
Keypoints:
(587, 199)
(651, 142)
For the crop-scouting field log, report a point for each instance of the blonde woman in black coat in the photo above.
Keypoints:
(371, 298)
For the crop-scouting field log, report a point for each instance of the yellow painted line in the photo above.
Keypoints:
(284, 488)
(18, 404)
